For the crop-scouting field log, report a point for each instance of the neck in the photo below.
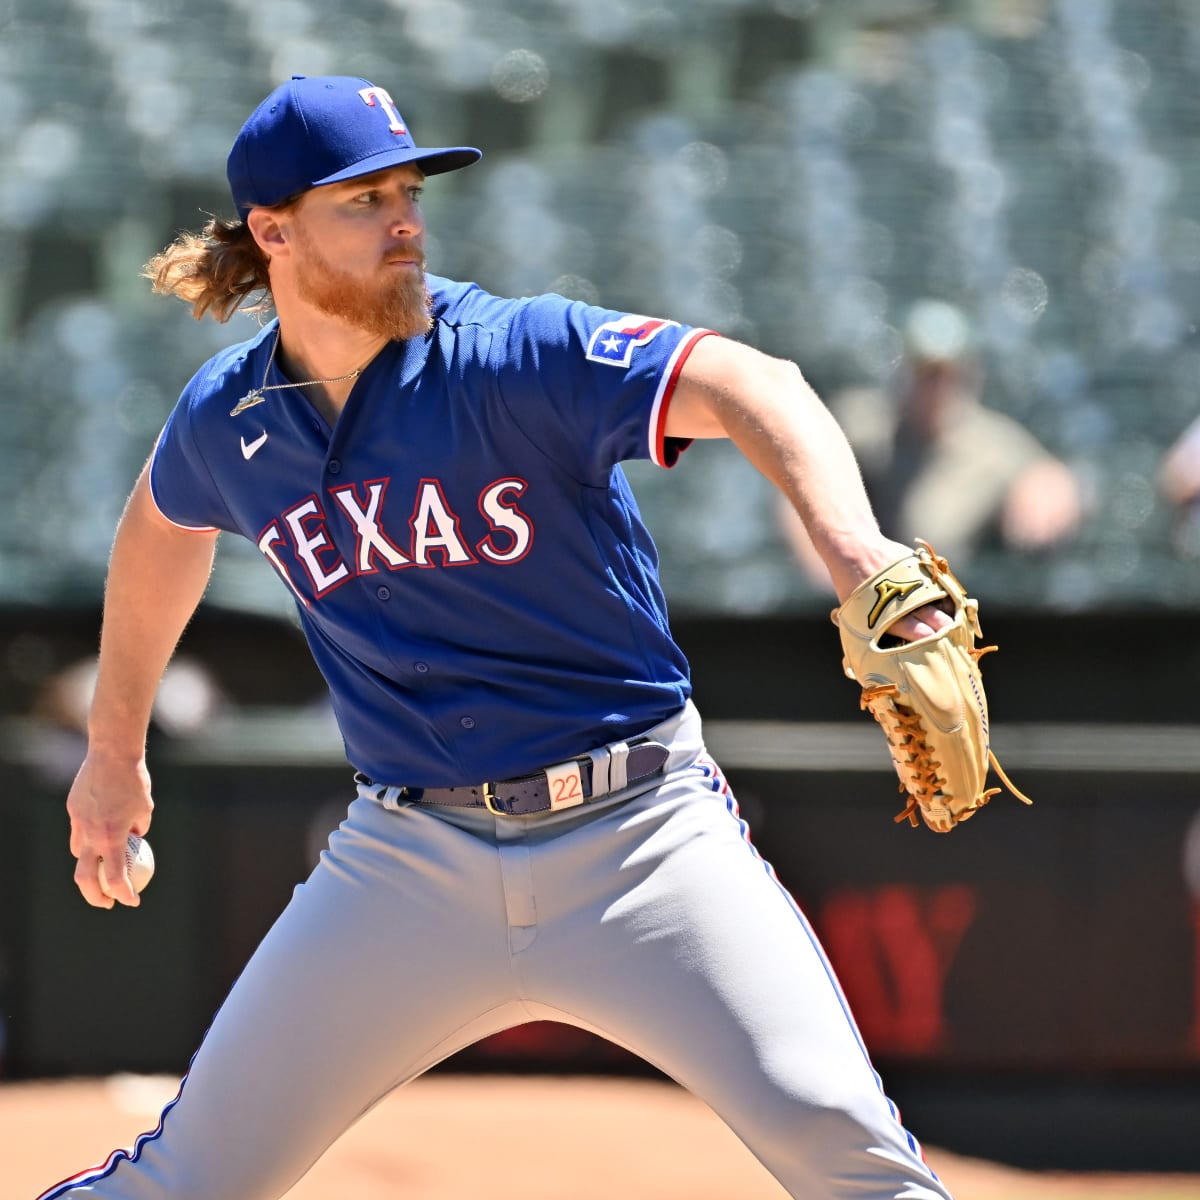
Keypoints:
(316, 347)
(323, 348)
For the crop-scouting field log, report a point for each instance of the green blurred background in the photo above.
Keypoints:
(791, 172)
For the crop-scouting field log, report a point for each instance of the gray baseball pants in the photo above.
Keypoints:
(646, 917)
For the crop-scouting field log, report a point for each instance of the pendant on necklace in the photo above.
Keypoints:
(249, 400)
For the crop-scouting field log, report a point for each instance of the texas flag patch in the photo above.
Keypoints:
(614, 341)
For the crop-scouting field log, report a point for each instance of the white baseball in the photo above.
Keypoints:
(139, 862)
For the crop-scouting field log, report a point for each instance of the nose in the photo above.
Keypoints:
(407, 219)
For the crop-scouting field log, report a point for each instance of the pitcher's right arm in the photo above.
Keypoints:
(157, 575)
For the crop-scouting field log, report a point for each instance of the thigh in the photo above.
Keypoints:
(682, 945)
(387, 958)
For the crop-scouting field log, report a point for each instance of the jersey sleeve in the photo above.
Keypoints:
(592, 386)
(181, 485)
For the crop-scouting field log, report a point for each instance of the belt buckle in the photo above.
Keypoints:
(489, 800)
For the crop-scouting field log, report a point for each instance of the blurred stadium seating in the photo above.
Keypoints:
(793, 172)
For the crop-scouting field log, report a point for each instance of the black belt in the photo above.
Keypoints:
(577, 781)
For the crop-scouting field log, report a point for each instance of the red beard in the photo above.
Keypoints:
(395, 305)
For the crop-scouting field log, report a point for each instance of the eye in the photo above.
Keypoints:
(415, 193)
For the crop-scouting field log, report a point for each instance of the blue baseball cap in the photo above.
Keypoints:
(324, 129)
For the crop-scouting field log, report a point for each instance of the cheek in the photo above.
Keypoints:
(353, 253)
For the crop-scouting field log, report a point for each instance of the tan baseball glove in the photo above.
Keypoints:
(927, 695)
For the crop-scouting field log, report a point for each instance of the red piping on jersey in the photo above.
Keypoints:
(682, 351)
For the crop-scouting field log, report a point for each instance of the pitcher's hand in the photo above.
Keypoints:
(109, 800)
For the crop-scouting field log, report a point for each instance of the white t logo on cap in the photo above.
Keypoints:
(377, 95)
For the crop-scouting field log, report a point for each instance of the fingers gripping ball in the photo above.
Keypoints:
(139, 862)
(927, 695)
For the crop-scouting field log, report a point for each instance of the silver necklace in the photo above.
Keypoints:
(255, 395)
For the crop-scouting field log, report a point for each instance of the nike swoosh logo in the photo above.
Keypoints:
(250, 449)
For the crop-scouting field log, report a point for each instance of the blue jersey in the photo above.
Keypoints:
(468, 562)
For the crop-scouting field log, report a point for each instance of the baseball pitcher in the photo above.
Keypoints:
(537, 830)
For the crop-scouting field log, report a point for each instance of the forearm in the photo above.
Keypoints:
(792, 439)
(765, 406)
(157, 576)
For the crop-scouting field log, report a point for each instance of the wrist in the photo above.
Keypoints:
(851, 562)
(116, 747)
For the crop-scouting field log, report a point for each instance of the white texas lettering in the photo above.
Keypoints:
(371, 539)
(310, 544)
(435, 527)
(267, 541)
(436, 537)
(505, 517)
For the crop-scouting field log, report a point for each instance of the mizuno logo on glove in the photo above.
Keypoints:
(888, 590)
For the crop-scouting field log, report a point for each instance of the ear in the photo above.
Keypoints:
(269, 229)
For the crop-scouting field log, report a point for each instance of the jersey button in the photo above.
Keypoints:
(467, 722)
(383, 592)
(335, 466)
(421, 668)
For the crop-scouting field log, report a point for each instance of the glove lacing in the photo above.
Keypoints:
(905, 734)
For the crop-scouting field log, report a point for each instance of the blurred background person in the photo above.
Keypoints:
(1179, 482)
(939, 464)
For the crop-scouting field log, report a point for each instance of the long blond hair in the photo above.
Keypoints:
(217, 271)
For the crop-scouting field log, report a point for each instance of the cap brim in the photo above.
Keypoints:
(432, 161)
